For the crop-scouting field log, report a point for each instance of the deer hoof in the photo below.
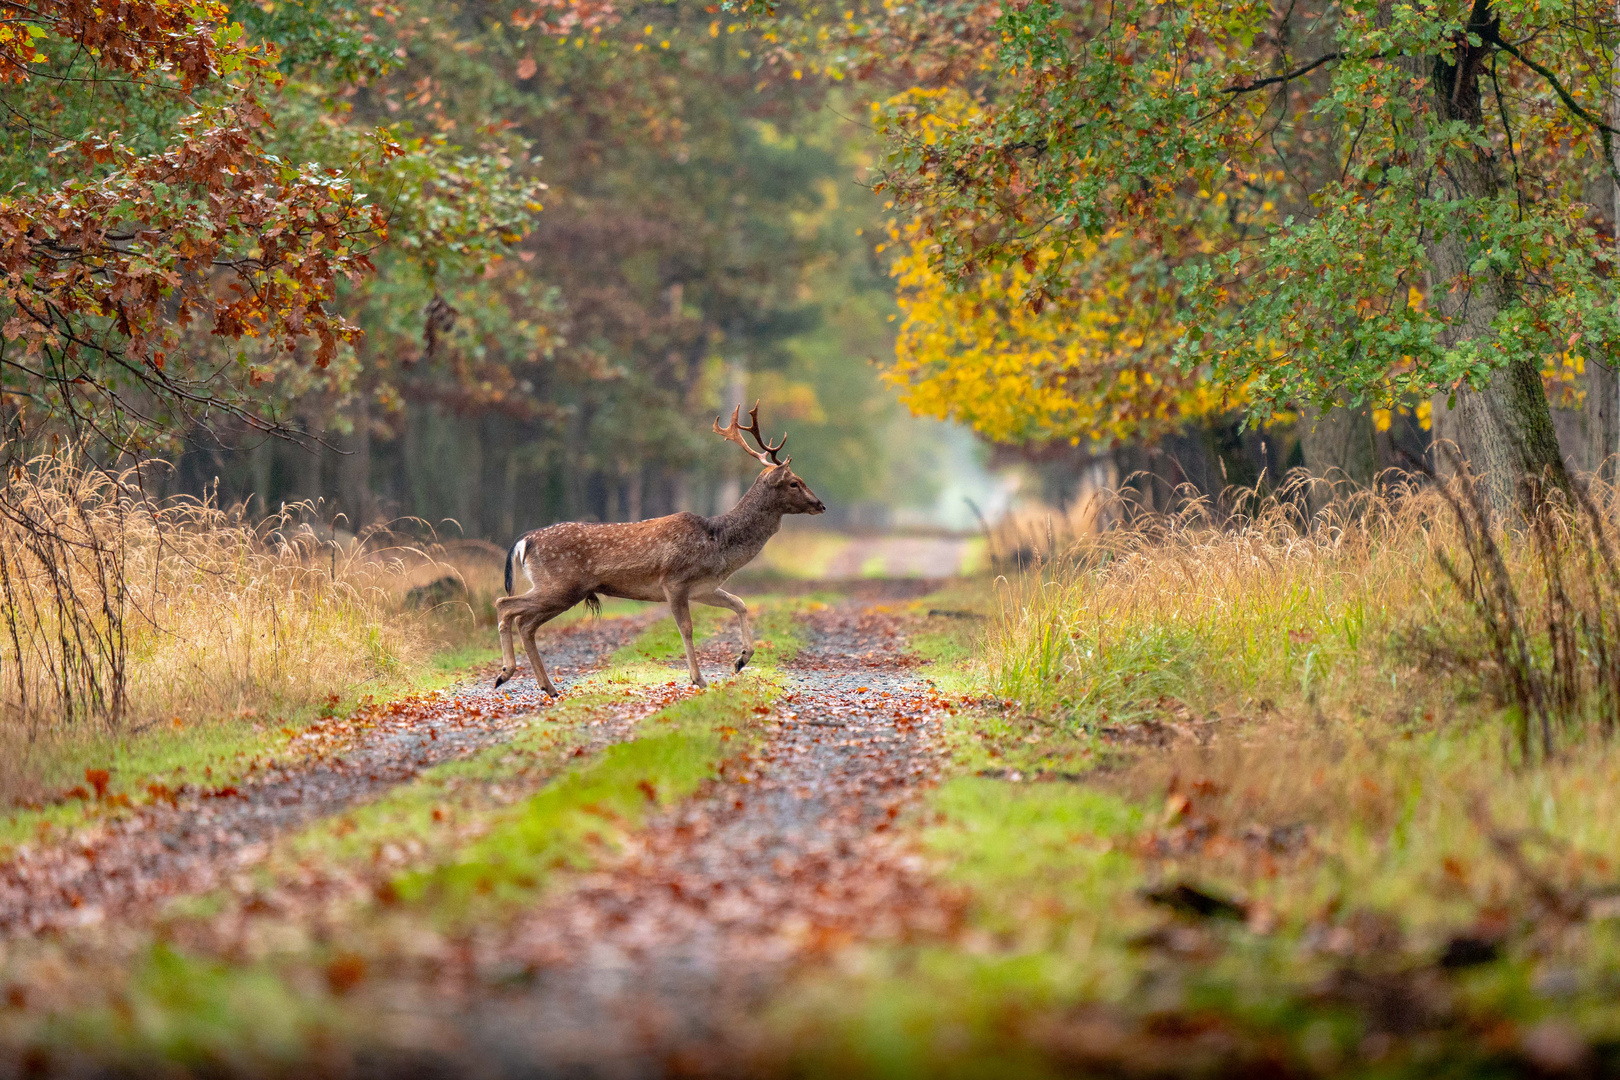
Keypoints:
(502, 677)
(701, 683)
(742, 660)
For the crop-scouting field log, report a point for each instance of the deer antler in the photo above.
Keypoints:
(732, 432)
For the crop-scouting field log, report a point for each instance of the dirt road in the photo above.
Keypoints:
(657, 961)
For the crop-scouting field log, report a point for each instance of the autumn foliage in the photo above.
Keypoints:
(114, 265)
(1090, 369)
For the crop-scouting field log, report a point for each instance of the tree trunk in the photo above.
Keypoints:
(468, 496)
(355, 499)
(263, 462)
(1339, 445)
(1505, 429)
(731, 483)
(1506, 434)
(306, 462)
(632, 495)
(681, 497)
(1602, 378)
(508, 513)
(1601, 420)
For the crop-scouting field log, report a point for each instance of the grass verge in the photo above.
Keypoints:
(1222, 810)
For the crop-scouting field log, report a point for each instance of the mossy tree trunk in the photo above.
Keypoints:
(1505, 429)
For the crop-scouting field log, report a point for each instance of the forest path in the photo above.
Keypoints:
(187, 839)
(928, 557)
(654, 962)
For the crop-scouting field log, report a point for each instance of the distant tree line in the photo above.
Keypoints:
(500, 265)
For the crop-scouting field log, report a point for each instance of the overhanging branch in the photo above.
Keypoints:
(1273, 80)
(1605, 133)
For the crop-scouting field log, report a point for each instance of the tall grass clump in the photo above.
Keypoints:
(121, 610)
(1550, 629)
(1376, 603)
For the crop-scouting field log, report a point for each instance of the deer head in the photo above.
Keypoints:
(784, 492)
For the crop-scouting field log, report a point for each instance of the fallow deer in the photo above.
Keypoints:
(680, 559)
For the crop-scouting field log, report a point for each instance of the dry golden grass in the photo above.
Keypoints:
(1032, 530)
(456, 581)
(123, 611)
(1315, 707)
(1239, 609)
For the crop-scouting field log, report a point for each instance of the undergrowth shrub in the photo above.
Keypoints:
(1248, 601)
(121, 611)
(1546, 600)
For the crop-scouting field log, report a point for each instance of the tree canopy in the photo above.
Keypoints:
(1363, 204)
(536, 244)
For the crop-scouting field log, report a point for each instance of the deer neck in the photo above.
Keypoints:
(744, 528)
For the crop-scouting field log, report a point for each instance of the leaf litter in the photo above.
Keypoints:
(660, 955)
(657, 955)
(188, 838)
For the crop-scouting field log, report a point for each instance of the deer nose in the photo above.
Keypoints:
(821, 507)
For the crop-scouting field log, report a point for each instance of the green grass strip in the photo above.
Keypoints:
(593, 804)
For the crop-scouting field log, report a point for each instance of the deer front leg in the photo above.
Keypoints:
(680, 607)
(732, 602)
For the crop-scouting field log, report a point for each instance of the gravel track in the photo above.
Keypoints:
(186, 840)
(646, 966)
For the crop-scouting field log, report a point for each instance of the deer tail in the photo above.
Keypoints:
(513, 554)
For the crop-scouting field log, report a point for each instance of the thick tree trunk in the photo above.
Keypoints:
(1339, 445)
(1601, 417)
(1506, 434)
(1505, 429)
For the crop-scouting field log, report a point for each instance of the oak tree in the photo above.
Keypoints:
(1365, 203)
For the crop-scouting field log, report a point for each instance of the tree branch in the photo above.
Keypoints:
(1273, 80)
(1605, 132)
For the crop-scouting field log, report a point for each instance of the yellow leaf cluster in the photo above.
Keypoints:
(1090, 365)
(1093, 365)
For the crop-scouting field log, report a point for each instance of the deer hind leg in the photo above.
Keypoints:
(527, 631)
(732, 602)
(680, 607)
(505, 613)
(524, 615)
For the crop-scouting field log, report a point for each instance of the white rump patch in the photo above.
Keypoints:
(518, 550)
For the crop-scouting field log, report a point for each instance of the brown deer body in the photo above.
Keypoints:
(680, 560)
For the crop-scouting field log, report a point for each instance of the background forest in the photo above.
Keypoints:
(501, 267)
(576, 235)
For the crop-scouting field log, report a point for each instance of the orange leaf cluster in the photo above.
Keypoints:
(133, 36)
